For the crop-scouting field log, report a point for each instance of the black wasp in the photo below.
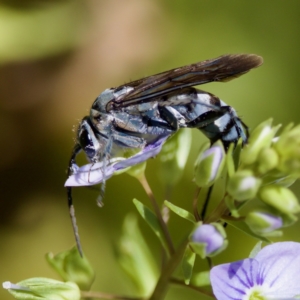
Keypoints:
(137, 114)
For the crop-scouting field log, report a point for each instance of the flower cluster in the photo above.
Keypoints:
(263, 170)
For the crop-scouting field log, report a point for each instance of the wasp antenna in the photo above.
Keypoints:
(73, 220)
(76, 150)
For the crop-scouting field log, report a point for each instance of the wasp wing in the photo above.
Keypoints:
(223, 68)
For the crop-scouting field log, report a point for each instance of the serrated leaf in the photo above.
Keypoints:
(240, 225)
(187, 264)
(180, 211)
(152, 221)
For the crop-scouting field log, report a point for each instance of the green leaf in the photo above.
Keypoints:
(72, 267)
(240, 225)
(152, 221)
(237, 153)
(199, 248)
(187, 264)
(43, 288)
(229, 161)
(180, 211)
(135, 258)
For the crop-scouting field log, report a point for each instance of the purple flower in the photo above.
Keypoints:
(91, 174)
(210, 237)
(274, 273)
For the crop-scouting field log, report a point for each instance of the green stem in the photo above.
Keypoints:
(164, 279)
(219, 211)
(156, 208)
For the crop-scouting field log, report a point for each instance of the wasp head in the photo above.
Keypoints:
(88, 140)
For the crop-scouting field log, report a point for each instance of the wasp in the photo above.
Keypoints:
(138, 114)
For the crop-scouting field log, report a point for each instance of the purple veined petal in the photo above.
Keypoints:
(273, 274)
(232, 281)
(280, 270)
(92, 174)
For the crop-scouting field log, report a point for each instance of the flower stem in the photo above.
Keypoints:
(164, 279)
(195, 205)
(144, 183)
(218, 212)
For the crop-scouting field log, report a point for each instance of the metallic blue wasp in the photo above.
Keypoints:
(138, 114)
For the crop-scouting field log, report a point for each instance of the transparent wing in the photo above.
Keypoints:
(223, 68)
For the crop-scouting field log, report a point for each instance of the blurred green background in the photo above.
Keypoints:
(57, 56)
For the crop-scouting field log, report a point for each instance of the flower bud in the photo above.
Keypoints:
(173, 157)
(72, 267)
(263, 222)
(243, 185)
(267, 160)
(209, 165)
(260, 138)
(280, 198)
(43, 288)
(288, 149)
(208, 239)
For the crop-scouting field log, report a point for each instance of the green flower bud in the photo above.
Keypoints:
(260, 138)
(267, 160)
(243, 185)
(209, 165)
(280, 198)
(288, 149)
(72, 267)
(173, 157)
(43, 288)
(263, 222)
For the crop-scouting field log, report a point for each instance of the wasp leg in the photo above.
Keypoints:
(207, 118)
(71, 169)
(171, 116)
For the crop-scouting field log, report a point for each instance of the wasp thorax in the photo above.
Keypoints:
(101, 101)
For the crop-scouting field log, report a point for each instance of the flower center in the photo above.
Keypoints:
(255, 293)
